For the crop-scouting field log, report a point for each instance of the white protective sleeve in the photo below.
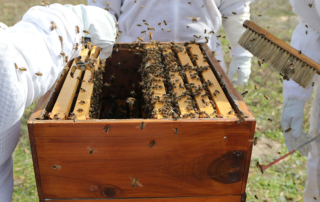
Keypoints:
(309, 44)
(32, 45)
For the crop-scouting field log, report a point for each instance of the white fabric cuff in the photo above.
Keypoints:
(234, 30)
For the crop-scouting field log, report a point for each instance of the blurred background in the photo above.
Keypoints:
(283, 182)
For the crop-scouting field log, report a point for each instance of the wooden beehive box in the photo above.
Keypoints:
(124, 155)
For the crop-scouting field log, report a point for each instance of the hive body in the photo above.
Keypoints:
(120, 151)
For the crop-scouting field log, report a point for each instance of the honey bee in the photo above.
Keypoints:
(211, 32)
(53, 26)
(165, 23)
(139, 25)
(15, 65)
(194, 19)
(266, 97)
(45, 3)
(207, 39)
(142, 32)
(169, 30)
(117, 23)
(143, 125)
(312, 84)
(195, 36)
(150, 35)
(107, 84)
(66, 59)
(245, 5)
(224, 17)
(79, 110)
(152, 143)
(162, 29)
(86, 32)
(176, 131)
(287, 130)
(142, 6)
(306, 25)
(82, 102)
(135, 1)
(146, 24)
(205, 31)
(252, 39)
(151, 28)
(61, 39)
(82, 90)
(234, 13)
(136, 182)
(140, 38)
(77, 29)
(306, 32)
(91, 150)
(269, 119)
(106, 8)
(106, 129)
(94, 1)
(256, 87)
(255, 141)
(23, 69)
(38, 74)
(130, 101)
(259, 63)
(187, 26)
(243, 94)
(300, 51)
(189, 3)
(77, 46)
(255, 196)
(310, 5)
(259, 15)
(159, 23)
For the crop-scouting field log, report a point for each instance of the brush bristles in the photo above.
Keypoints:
(278, 58)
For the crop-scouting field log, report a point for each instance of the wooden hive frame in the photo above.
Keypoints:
(96, 160)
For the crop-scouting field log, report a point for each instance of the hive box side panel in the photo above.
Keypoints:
(164, 159)
(189, 199)
(35, 160)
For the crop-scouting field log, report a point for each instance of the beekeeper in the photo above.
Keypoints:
(186, 20)
(306, 37)
(33, 46)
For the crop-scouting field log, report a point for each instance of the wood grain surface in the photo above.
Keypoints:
(186, 199)
(79, 160)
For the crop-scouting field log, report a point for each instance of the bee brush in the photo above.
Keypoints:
(284, 58)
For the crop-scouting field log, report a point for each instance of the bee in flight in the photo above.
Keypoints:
(194, 19)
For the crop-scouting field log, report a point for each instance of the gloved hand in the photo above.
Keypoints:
(100, 24)
(292, 117)
(242, 66)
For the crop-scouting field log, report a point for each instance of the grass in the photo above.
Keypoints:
(283, 182)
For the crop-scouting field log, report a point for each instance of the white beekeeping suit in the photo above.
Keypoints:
(306, 37)
(33, 46)
(211, 15)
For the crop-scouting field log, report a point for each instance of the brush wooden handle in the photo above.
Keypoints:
(248, 24)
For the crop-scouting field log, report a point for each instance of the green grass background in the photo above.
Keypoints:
(283, 182)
